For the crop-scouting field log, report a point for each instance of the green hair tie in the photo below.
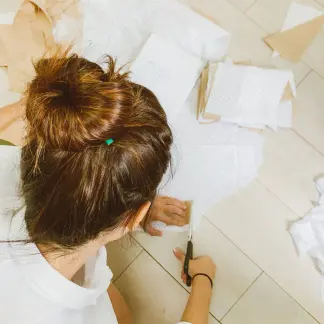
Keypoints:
(109, 141)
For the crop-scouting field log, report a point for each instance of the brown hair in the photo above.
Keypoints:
(75, 185)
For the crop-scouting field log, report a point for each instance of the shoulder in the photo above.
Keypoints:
(9, 171)
(10, 198)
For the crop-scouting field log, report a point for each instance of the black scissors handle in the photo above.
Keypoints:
(189, 256)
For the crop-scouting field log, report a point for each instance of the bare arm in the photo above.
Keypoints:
(197, 309)
(9, 114)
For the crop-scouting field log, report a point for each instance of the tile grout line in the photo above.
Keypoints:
(243, 11)
(184, 288)
(211, 223)
(249, 7)
(128, 266)
(269, 33)
(262, 270)
(144, 249)
(319, 3)
(284, 203)
(307, 142)
(321, 76)
(214, 317)
(258, 266)
(305, 77)
(170, 275)
(292, 298)
(248, 288)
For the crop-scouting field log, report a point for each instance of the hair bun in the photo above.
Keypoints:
(72, 104)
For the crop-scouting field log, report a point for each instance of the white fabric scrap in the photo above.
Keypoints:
(249, 96)
(308, 233)
(298, 14)
(168, 71)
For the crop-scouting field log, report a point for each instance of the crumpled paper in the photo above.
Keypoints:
(308, 233)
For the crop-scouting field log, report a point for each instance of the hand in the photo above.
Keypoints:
(169, 211)
(203, 264)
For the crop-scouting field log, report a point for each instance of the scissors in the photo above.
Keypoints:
(189, 256)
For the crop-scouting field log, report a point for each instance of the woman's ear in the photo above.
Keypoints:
(141, 213)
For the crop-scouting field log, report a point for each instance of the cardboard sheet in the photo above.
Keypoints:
(201, 103)
(30, 37)
(5, 36)
(301, 26)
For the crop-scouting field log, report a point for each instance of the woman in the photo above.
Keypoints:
(96, 148)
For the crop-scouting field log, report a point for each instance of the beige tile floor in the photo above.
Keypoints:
(260, 278)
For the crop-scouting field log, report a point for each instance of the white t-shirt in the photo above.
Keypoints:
(31, 290)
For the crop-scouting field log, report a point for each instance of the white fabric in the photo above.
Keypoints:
(210, 162)
(108, 28)
(31, 290)
(308, 233)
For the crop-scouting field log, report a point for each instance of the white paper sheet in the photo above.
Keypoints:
(248, 96)
(7, 18)
(308, 233)
(285, 112)
(168, 71)
(298, 14)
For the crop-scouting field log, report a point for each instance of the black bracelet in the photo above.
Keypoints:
(205, 275)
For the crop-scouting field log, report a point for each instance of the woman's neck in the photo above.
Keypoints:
(68, 263)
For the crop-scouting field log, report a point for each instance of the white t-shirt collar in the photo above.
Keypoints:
(51, 284)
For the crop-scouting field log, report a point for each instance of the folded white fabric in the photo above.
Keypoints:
(171, 73)
(250, 96)
(107, 28)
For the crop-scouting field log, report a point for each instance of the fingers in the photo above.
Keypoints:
(179, 254)
(184, 277)
(175, 220)
(175, 210)
(175, 202)
(153, 231)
